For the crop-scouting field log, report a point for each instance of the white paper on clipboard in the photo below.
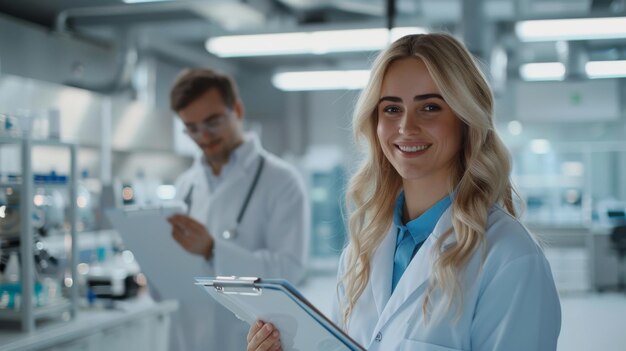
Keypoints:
(147, 234)
(302, 327)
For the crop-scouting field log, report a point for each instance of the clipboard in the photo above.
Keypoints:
(302, 326)
(147, 234)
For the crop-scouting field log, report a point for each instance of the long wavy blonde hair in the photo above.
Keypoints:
(480, 175)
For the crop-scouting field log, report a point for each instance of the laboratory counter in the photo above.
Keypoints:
(582, 258)
(136, 324)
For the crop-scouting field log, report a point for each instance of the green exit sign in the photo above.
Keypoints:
(575, 98)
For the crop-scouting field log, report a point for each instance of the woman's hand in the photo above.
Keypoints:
(263, 337)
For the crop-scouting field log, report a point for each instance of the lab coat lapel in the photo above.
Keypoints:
(203, 198)
(243, 170)
(415, 279)
(382, 269)
(201, 194)
(255, 149)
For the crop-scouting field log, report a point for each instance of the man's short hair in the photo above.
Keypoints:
(192, 83)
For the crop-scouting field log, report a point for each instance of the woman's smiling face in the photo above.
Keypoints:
(417, 130)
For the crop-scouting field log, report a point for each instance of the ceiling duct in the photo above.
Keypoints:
(124, 40)
(126, 59)
(603, 5)
(219, 12)
(367, 8)
(574, 56)
(476, 29)
(122, 23)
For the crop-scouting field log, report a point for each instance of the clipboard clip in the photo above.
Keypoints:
(237, 285)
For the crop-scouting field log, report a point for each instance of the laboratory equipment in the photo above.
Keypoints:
(611, 212)
(117, 278)
(36, 265)
(328, 232)
(618, 240)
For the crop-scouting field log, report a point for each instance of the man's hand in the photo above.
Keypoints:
(191, 235)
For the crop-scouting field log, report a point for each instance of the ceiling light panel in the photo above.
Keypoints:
(542, 71)
(572, 29)
(318, 42)
(606, 69)
(321, 80)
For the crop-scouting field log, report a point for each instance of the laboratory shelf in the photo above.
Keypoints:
(52, 309)
(137, 324)
(36, 142)
(10, 140)
(28, 312)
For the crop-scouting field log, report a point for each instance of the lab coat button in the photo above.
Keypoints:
(379, 337)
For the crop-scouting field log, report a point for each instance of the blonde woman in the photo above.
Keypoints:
(437, 259)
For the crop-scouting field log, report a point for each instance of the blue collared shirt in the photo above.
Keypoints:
(419, 229)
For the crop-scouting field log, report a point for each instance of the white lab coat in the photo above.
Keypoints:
(509, 304)
(272, 239)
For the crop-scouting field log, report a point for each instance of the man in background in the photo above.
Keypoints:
(247, 210)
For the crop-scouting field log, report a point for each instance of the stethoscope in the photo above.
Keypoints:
(230, 234)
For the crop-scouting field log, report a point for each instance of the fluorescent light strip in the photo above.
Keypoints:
(556, 70)
(321, 80)
(320, 42)
(356, 79)
(542, 71)
(606, 69)
(571, 29)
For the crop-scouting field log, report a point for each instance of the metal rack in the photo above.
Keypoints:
(27, 312)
